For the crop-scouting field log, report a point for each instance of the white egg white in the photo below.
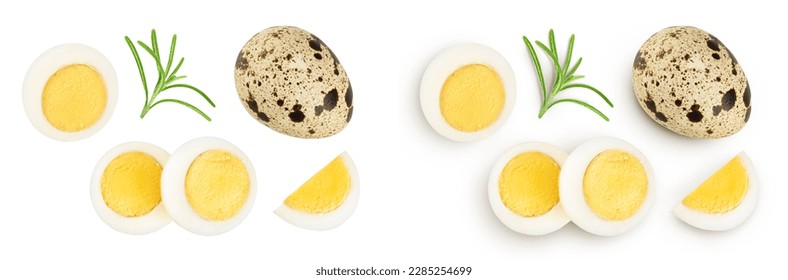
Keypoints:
(544, 224)
(571, 187)
(154, 220)
(50, 62)
(446, 63)
(331, 219)
(728, 220)
(173, 192)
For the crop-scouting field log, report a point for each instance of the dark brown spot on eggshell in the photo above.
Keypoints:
(330, 100)
(241, 63)
(694, 115)
(729, 100)
(747, 116)
(263, 117)
(746, 96)
(713, 44)
(349, 96)
(653, 108)
(297, 116)
(661, 117)
(315, 44)
(640, 63)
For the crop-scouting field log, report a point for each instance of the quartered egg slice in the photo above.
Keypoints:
(606, 186)
(326, 200)
(69, 92)
(126, 188)
(467, 92)
(725, 200)
(208, 186)
(523, 188)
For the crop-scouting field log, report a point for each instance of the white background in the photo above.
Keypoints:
(423, 198)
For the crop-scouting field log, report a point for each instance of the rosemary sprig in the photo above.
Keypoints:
(564, 76)
(165, 78)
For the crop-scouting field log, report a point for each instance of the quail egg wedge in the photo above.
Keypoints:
(725, 200)
(327, 199)
(467, 92)
(523, 188)
(606, 186)
(125, 188)
(208, 186)
(69, 92)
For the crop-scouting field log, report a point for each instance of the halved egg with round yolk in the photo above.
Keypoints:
(523, 189)
(725, 200)
(126, 188)
(606, 186)
(70, 92)
(326, 200)
(467, 92)
(208, 186)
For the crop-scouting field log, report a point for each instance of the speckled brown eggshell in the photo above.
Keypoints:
(689, 82)
(290, 81)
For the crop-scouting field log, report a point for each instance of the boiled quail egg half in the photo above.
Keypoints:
(606, 186)
(467, 92)
(208, 186)
(523, 188)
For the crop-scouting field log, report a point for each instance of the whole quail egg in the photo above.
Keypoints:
(289, 80)
(688, 81)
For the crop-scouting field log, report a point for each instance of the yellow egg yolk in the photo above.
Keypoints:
(472, 98)
(217, 185)
(528, 184)
(615, 185)
(324, 192)
(74, 98)
(723, 191)
(131, 184)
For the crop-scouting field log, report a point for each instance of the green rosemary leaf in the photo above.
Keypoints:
(572, 79)
(139, 66)
(549, 52)
(172, 53)
(556, 66)
(585, 86)
(147, 48)
(177, 67)
(184, 103)
(192, 88)
(584, 104)
(172, 79)
(568, 59)
(155, 44)
(574, 68)
(155, 57)
(538, 68)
